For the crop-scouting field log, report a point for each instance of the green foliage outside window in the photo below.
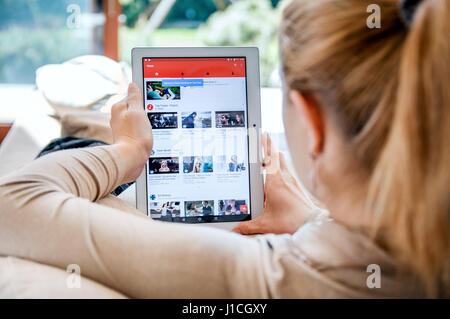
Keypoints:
(34, 32)
(248, 23)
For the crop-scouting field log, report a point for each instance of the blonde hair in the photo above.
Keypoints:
(388, 88)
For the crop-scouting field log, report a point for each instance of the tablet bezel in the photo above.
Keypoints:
(253, 112)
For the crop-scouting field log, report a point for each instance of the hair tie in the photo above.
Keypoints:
(407, 10)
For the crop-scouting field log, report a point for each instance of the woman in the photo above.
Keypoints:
(153, 94)
(239, 120)
(234, 166)
(224, 120)
(367, 122)
(164, 209)
(167, 94)
(233, 207)
(164, 167)
(198, 164)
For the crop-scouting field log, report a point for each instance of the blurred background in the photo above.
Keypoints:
(38, 32)
(62, 56)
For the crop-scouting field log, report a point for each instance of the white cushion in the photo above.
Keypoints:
(83, 83)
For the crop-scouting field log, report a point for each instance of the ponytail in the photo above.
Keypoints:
(388, 90)
(409, 190)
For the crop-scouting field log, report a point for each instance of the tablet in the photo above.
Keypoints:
(204, 108)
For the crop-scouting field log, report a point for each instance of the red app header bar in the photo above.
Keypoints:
(193, 67)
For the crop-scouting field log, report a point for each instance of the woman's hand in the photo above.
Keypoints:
(287, 205)
(132, 132)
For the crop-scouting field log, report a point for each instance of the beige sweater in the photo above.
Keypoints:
(49, 214)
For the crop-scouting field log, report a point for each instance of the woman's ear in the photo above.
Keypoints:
(312, 117)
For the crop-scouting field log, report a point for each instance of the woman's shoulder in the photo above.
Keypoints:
(325, 257)
(331, 243)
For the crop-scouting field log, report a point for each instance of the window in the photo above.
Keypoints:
(38, 32)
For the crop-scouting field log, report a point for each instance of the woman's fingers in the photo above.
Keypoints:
(288, 174)
(134, 98)
(269, 146)
(266, 158)
(118, 108)
(264, 137)
(271, 160)
(283, 163)
(133, 101)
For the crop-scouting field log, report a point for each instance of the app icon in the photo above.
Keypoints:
(244, 208)
(150, 107)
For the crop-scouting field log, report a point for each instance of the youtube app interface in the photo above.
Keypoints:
(198, 171)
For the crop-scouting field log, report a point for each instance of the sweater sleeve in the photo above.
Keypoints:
(48, 214)
(89, 173)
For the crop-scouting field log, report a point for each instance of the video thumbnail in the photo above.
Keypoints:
(197, 164)
(199, 208)
(228, 164)
(163, 120)
(163, 209)
(196, 120)
(230, 119)
(232, 207)
(163, 165)
(155, 91)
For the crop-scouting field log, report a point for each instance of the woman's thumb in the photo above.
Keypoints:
(134, 97)
(250, 227)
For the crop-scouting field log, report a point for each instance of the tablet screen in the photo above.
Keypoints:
(199, 169)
